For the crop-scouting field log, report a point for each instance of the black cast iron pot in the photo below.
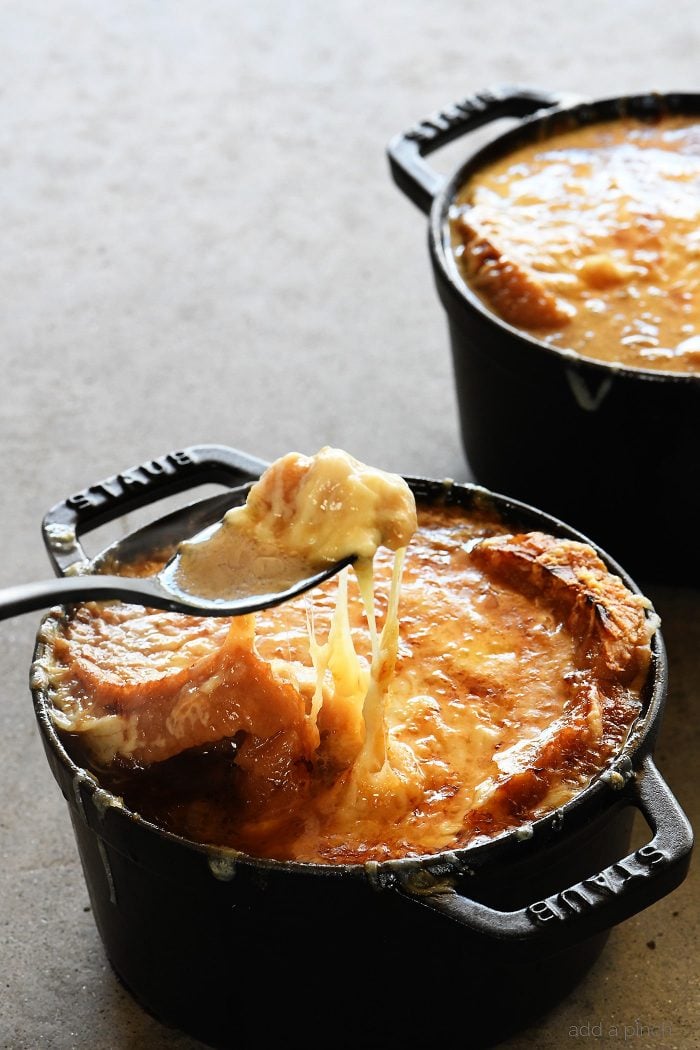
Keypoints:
(468, 944)
(615, 449)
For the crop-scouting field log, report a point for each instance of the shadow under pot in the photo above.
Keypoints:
(612, 447)
(469, 944)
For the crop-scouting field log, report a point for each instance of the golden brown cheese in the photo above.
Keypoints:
(590, 241)
(520, 662)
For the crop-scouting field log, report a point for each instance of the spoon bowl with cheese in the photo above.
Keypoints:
(304, 520)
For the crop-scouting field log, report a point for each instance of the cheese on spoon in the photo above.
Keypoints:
(304, 513)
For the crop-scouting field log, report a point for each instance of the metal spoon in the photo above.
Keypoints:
(160, 590)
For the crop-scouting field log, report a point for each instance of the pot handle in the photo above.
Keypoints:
(598, 902)
(136, 487)
(417, 179)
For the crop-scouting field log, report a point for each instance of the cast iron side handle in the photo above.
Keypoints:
(136, 487)
(603, 900)
(417, 179)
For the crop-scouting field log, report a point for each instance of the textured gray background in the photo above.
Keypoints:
(201, 242)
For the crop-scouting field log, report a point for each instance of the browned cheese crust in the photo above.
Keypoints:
(518, 677)
(611, 632)
(511, 287)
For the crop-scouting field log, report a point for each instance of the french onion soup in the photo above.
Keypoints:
(465, 681)
(590, 241)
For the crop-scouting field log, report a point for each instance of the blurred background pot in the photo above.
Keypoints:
(613, 449)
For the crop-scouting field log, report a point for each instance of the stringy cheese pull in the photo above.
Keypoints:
(338, 661)
(305, 512)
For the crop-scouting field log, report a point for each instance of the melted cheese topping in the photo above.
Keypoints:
(304, 733)
(590, 241)
(304, 513)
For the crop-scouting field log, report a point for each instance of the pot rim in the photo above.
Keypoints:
(527, 128)
(604, 790)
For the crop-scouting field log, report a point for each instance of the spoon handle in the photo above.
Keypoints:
(42, 594)
(149, 591)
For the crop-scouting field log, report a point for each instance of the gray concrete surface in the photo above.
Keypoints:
(201, 242)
